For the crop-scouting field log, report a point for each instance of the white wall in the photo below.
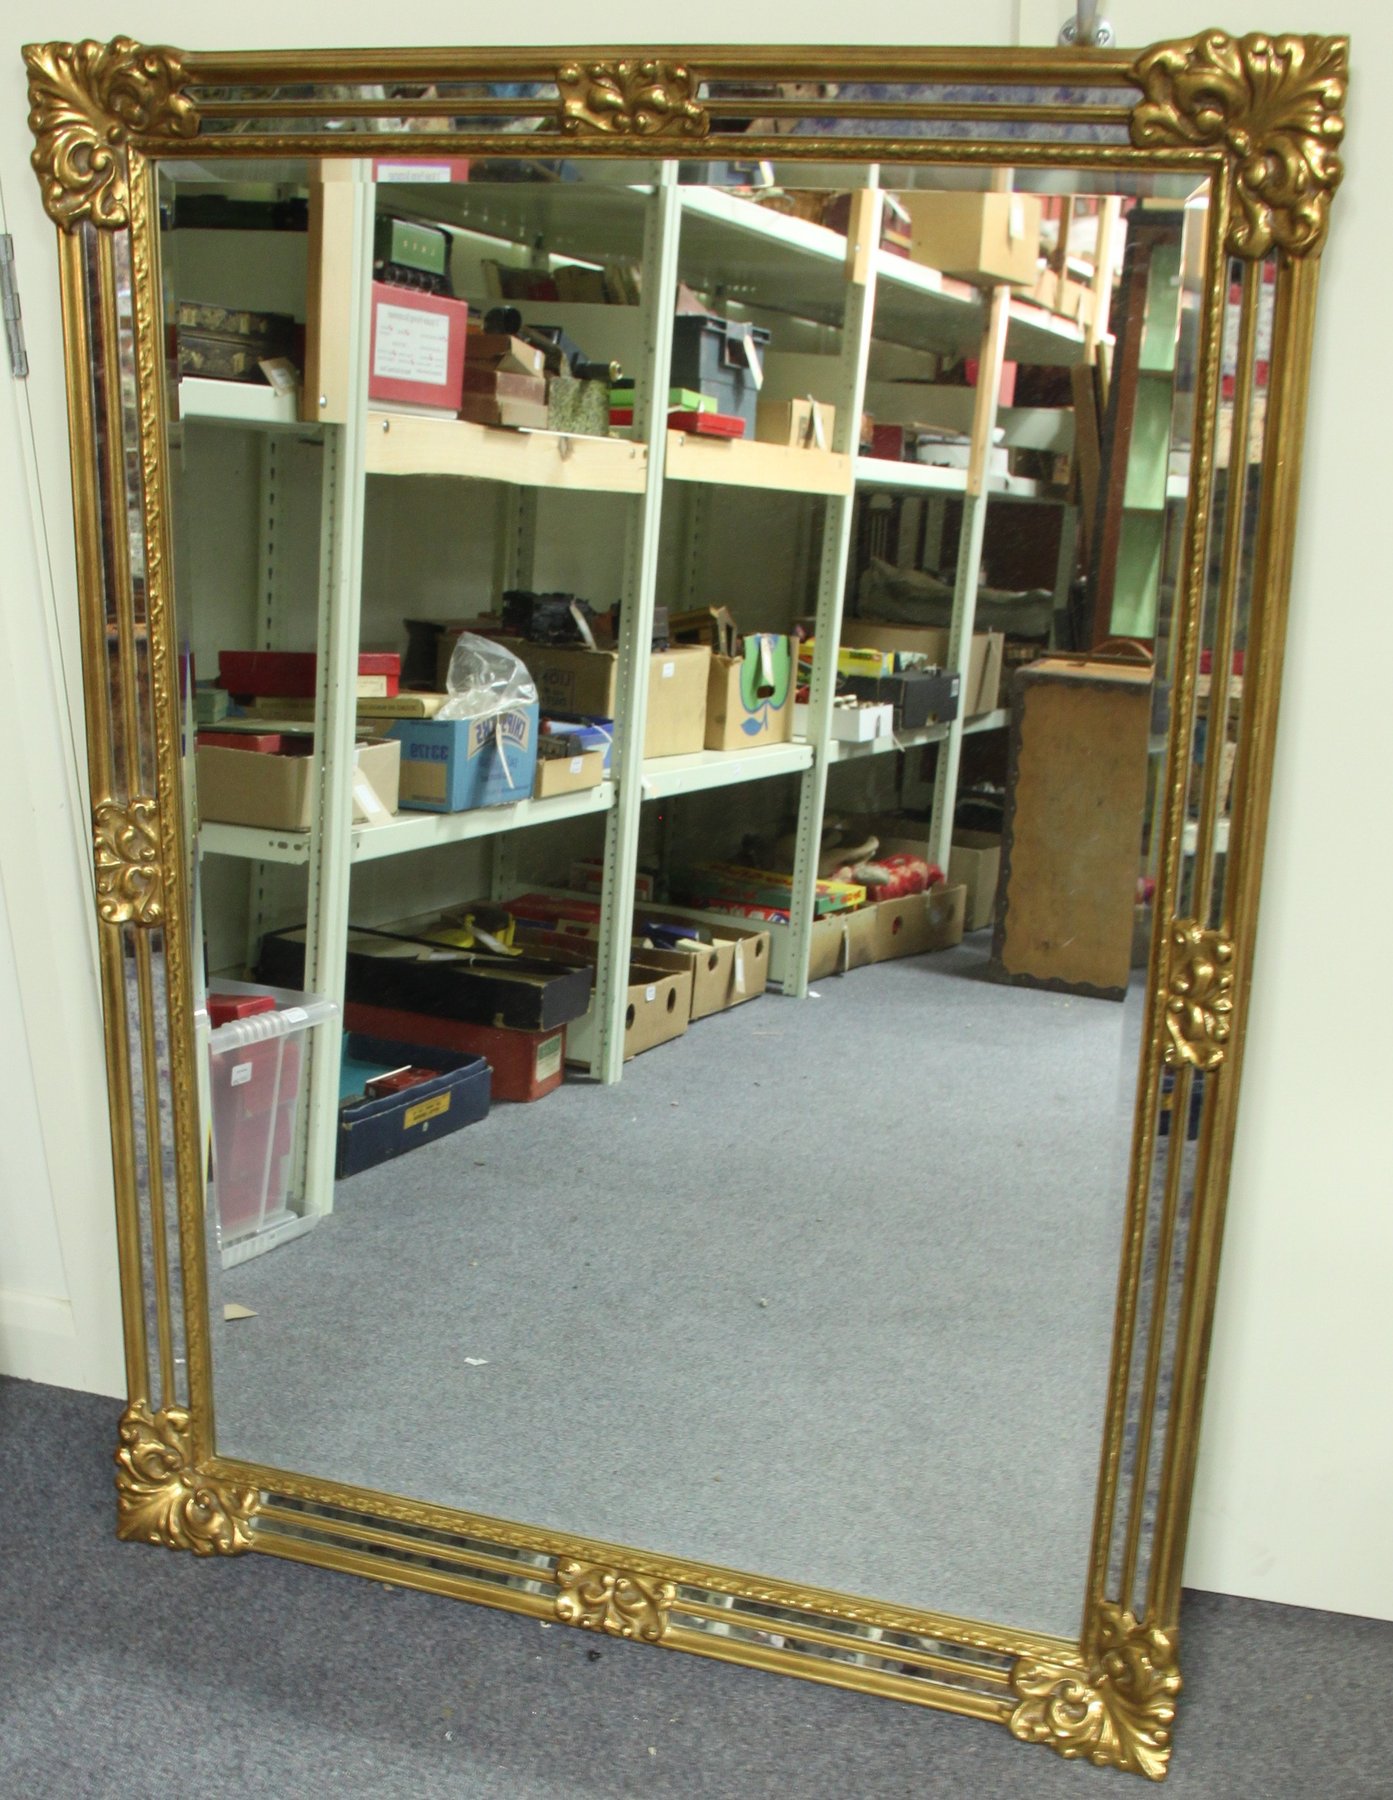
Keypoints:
(1294, 1482)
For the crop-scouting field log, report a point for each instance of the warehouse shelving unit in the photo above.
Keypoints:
(845, 283)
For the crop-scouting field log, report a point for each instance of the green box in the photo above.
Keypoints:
(411, 246)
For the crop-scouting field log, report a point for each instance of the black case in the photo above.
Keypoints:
(919, 696)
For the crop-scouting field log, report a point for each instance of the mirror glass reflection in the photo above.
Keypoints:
(673, 937)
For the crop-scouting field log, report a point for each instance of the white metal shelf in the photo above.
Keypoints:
(408, 830)
(840, 751)
(668, 776)
(239, 403)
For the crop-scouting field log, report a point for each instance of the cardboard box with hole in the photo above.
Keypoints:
(657, 1000)
(276, 790)
(732, 968)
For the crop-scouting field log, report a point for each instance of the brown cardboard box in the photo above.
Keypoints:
(979, 237)
(842, 941)
(807, 424)
(733, 968)
(509, 355)
(499, 409)
(277, 793)
(575, 682)
(657, 1007)
(918, 923)
(975, 860)
(567, 774)
(729, 720)
(982, 684)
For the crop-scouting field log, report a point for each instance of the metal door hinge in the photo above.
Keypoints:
(9, 303)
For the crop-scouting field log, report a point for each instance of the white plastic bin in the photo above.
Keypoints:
(256, 1072)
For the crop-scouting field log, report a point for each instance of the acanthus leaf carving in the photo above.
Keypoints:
(1117, 1711)
(1199, 995)
(638, 97)
(1276, 104)
(162, 1498)
(126, 851)
(86, 102)
(598, 1598)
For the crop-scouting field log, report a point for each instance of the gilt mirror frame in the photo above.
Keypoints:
(1259, 119)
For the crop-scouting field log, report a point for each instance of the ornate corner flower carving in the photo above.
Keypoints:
(1199, 995)
(639, 97)
(126, 851)
(86, 101)
(1276, 104)
(1117, 1712)
(602, 1599)
(161, 1498)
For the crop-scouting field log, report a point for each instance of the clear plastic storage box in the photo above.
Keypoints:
(256, 1071)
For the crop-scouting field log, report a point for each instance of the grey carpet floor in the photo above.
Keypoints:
(133, 1672)
(822, 1291)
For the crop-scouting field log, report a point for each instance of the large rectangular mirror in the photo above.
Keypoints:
(682, 655)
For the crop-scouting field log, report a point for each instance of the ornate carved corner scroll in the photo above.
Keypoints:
(639, 97)
(1199, 995)
(161, 1498)
(1117, 1712)
(126, 851)
(598, 1598)
(1276, 104)
(86, 102)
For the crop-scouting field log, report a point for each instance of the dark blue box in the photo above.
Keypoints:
(374, 1131)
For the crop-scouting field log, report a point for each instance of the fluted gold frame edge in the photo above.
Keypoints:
(1261, 118)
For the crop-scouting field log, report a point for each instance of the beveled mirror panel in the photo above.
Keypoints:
(682, 656)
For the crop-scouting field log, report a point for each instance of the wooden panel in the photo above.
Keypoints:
(1071, 850)
(415, 444)
(328, 297)
(744, 462)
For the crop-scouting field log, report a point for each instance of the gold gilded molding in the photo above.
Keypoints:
(598, 1598)
(86, 101)
(639, 97)
(126, 851)
(1276, 104)
(1117, 1712)
(162, 1498)
(1199, 995)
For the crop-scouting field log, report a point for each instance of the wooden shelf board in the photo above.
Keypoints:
(746, 463)
(416, 444)
(239, 403)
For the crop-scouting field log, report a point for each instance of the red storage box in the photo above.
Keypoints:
(417, 349)
(526, 1064)
(290, 675)
(707, 424)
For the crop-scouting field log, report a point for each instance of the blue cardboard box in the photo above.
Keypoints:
(371, 1131)
(454, 765)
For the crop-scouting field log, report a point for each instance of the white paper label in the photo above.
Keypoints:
(411, 346)
(669, 670)
(575, 765)
(650, 993)
(548, 1058)
(413, 171)
(241, 1074)
(1015, 221)
(739, 967)
(294, 1015)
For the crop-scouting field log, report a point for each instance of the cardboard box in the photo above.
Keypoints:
(979, 237)
(858, 723)
(733, 968)
(571, 679)
(574, 737)
(526, 1065)
(508, 355)
(372, 1131)
(975, 861)
(456, 765)
(918, 923)
(981, 690)
(568, 774)
(398, 967)
(657, 1004)
(749, 698)
(277, 793)
(499, 409)
(806, 424)
(416, 354)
